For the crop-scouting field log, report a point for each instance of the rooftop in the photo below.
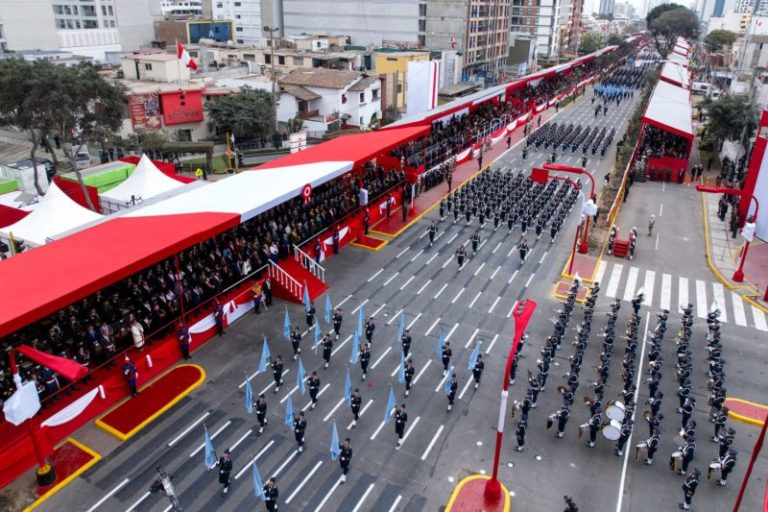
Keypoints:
(152, 57)
(320, 77)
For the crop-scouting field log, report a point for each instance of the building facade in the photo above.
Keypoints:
(246, 15)
(181, 7)
(606, 7)
(541, 19)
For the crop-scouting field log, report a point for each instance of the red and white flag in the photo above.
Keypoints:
(183, 55)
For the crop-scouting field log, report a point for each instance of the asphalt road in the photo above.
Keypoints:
(440, 448)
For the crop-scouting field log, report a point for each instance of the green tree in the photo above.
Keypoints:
(670, 24)
(247, 115)
(41, 99)
(717, 39)
(658, 11)
(591, 42)
(615, 40)
(295, 125)
(730, 118)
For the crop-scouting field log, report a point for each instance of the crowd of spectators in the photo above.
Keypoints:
(658, 143)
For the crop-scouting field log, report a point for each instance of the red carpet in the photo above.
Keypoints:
(132, 415)
(562, 288)
(468, 497)
(584, 265)
(69, 460)
(369, 242)
(748, 412)
(302, 275)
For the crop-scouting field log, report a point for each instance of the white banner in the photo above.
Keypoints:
(71, 411)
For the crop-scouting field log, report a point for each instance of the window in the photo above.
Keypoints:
(60, 24)
(57, 9)
(147, 66)
(392, 59)
(74, 10)
(375, 95)
(267, 58)
(104, 10)
(399, 88)
(422, 39)
(422, 25)
(237, 16)
(298, 61)
(240, 41)
(111, 11)
(422, 9)
(281, 60)
(70, 24)
(237, 4)
(239, 29)
(362, 123)
(362, 97)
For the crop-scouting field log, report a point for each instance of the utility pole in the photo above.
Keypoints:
(271, 31)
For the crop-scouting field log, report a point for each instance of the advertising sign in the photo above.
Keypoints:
(145, 111)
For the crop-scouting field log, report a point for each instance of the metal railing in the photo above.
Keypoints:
(309, 263)
(283, 278)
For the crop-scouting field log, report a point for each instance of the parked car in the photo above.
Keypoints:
(48, 165)
(82, 159)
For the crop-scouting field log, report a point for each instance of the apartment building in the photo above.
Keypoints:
(542, 19)
(247, 18)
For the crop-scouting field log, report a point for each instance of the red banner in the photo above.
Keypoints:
(182, 107)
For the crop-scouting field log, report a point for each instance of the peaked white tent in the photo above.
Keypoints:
(146, 181)
(54, 214)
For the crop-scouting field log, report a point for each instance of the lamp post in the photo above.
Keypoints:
(583, 248)
(271, 31)
(521, 312)
(738, 276)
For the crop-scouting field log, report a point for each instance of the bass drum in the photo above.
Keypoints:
(616, 410)
(611, 430)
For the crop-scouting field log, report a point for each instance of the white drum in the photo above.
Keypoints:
(611, 430)
(616, 411)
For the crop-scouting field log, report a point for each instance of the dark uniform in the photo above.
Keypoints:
(452, 387)
(277, 372)
(337, 319)
(689, 488)
(131, 375)
(409, 371)
(433, 231)
(522, 426)
(365, 358)
(261, 413)
(345, 457)
(327, 349)
(405, 341)
(225, 468)
(477, 371)
(370, 327)
(299, 427)
(271, 494)
(311, 315)
(355, 401)
(184, 341)
(401, 418)
(446, 356)
(296, 342)
(314, 387)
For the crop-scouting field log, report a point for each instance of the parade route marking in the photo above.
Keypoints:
(431, 259)
(631, 285)
(362, 411)
(496, 301)
(213, 436)
(394, 317)
(250, 463)
(613, 283)
(189, 428)
(514, 274)
(423, 286)
(495, 272)
(359, 306)
(452, 238)
(374, 276)
(666, 291)
(656, 245)
(432, 443)
(292, 391)
(333, 352)
(447, 262)
(541, 260)
(469, 341)
(410, 429)
(285, 463)
(661, 209)
(391, 278)
(309, 404)
(492, 343)
(650, 277)
(242, 384)
(421, 372)
(441, 291)
(378, 429)
(304, 482)
(395, 504)
(403, 252)
(394, 372)
(464, 389)
(362, 498)
(701, 297)
(138, 502)
(273, 383)
(407, 282)
(109, 495)
(237, 443)
(432, 326)
(475, 299)
(457, 296)
(417, 255)
(418, 315)
(479, 268)
(378, 310)
(343, 301)
(442, 381)
(328, 496)
(511, 250)
(335, 407)
(448, 336)
(529, 280)
(380, 358)
(496, 248)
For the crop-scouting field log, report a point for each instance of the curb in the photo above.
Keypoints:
(457, 490)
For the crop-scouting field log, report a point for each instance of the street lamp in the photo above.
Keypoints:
(738, 276)
(271, 31)
(521, 312)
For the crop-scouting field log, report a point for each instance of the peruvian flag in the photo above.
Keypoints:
(183, 54)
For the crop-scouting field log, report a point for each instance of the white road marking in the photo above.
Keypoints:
(319, 394)
(237, 443)
(286, 372)
(631, 286)
(138, 502)
(701, 299)
(432, 443)
(287, 395)
(479, 268)
(431, 259)
(496, 301)
(304, 482)
(417, 255)
(493, 342)
(661, 209)
(514, 274)
(359, 306)
(109, 495)
(242, 384)
(378, 310)
(529, 280)
(495, 272)
(395, 316)
(328, 496)
(656, 245)
(441, 291)
(363, 497)
(423, 369)
(394, 372)
(378, 429)
(391, 278)
(613, 283)
(496, 248)
(447, 262)
(739, 315)
(423, 286)
(475, 299)
(452, 238)
(395, 504)
(601, 271)
(650, 277)
(432, 326)
(213, 436)
(362, 411)
(541, 260)
(442, 382)
(410, 429)
(343, 301)
(666, 291)
(248, 466)
(471, 338)
(285, 463)
(448, 336)
(759, 317)
(335, 408)
(380, 358)
(340, 345)
(418, 315)
(466, 386)
(719, 294)
(457, 296)
(511, 250)
(189, 429)
(403, 252)
(407, 282)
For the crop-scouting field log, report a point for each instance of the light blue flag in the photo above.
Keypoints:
(360, 319)
(355, 350)
(401, 371)
(401, 329)
(258, 485)
(447, 385)
(301, 376)
(328, 308)
(210, 457)
(264, 356)
(306, 297)
(348, 388)
(440, 344)
(316, 327)
(473, 356)
(289, 412)
(248, 397)
(390, 406)
(335, 448)
(287, 325)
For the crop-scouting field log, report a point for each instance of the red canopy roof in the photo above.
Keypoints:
(358, 148)
(10, 215)
(40, 282)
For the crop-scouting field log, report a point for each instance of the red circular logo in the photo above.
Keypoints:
(306, 192)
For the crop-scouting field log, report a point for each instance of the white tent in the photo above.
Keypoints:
(54, 213)
(146, 181)
(670, 109)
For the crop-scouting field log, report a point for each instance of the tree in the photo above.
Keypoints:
(730, 119)
(44, 99)
(671, 24)
(717, 39)
(591, 42)
(615, 40)
(247, 115)
(295, 125)
(658, 11)
(391, 114)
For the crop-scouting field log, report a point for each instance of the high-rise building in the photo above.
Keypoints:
(246, 15)
(549, 21)
(181, 7)
(84, 27)
(606, 7)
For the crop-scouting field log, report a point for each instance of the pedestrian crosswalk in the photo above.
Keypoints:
(664, 291)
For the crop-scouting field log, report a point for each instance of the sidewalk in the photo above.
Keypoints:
(724, 254)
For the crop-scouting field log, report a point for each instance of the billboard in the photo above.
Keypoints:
(423, 81)
(181, 107)
(145, 111)
(219, 31)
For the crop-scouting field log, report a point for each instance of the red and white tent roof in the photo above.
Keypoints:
(678, 59)
(675, 74)
(670, 109)
(145, 182)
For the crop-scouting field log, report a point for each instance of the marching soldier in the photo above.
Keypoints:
(652, 445)
(365, 358)
(726, 440)
(314, 387)
(720, 418)
(370, 327)
(328, 348)
(655, 402)
(270, 495)
(453, 386)
(626, 430)
(594, 426)
(726, 466)
(225, 468)
(311, 315)
(409, 371)
(477, 371)
(446, 356)
(261, 413)
(475, 242)
(299, 428)
(401, 418)
(433, 231)
(689, 488)
(461, 253)
(689, 448)
(687, 410)
(523, 251)
(405, 341)
(522, 426)
(296, 342)
(355, 400)
(345, 457)
(561, 415)
(337, 319)
(654, 423)
(277, 372)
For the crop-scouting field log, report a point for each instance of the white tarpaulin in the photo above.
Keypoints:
(71, 411)
(670, 109)
(146, 181)
(675, 73)
(55, 213)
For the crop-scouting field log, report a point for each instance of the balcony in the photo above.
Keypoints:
(309, 114)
